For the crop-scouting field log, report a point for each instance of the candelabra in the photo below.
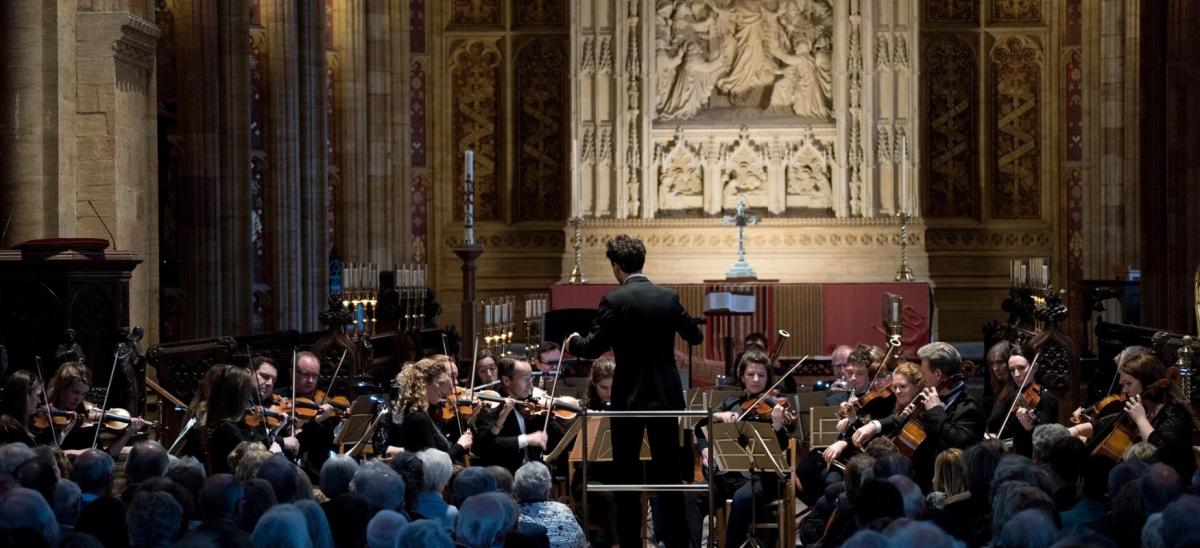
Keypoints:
(577, 276)
(498, 324)
(411, 289)
(360, 295)
(904, 273)
(535, 306)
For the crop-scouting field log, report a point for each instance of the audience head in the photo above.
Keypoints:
(383, 489)
(412, 472)
(866, 538)
(436, 468)
(384, 528)
(1159, 485)
(281, 525)
(472, 481)
(1152, 531)
(858, 470)
(485, 520)
(38, 474)
(66, 502)
(950, 472)
(13, 455)
(148, 459)
(1044, 438)
(880, 447)
(154, 517)
(1178, 522)
(1020, 468)
(93, 472)
(981, 460)
(318, 525)
(247, 458)
(348, 516)
(336, 474)
(923, 534)
(1141, 451)
(257, 497)
(221, 498)
(504, 478)
(878, 499)
(531, 483)
(425, 533)
(910, 493)
(893, 464)
(21, 507)
(188, 473)
(284, 477)
(104, 518)
(1123, 473)
(1032, 528)
(1012, 497)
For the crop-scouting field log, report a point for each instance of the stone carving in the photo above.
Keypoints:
(680, 181)
(951, 11)
(587, 154)
(1012, 11)
(475, 12)
(541, 87)
(740, 52)
(883, 147)
(1016, 194)
(808, 178)
(744, 175)
(604, 145)
(950, 103)
(541, 12)
(883, 56)
(900, 52)
(475, 79)
(605, 62)
(587, 56)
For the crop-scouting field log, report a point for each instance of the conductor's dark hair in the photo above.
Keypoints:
(627, 253)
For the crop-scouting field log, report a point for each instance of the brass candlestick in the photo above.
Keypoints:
(577, 276)
(904, 273)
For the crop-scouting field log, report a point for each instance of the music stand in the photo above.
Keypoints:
(748, 446)
(727, 304)
(359, 423)
(701, 399)
(823, 426)
(599, 442)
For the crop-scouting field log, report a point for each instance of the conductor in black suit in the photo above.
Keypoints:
(638, 321)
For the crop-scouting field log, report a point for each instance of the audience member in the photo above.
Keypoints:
(1030, 528)
(282, 525)
(22, 507)
(318, 525)
(472, 481)
(336, 474)
(424, 534)
(531, 486)
(436, 473)
(153, 518)
(384, 528)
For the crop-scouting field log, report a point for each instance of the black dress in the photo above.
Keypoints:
(1022, 439)
(417, 432)
(1172, 436)
(222, 439)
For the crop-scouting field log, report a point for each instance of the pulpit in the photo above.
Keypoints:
(49, 286)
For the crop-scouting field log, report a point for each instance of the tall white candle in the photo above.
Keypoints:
(576, 186)
(469, 196)
(904, 173)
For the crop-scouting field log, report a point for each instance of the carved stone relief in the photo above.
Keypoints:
(541, 72)
(950, 102)
(742, 58)
(951, 11)
(475, 12)
(475, 74)
(1017, 65)
(1016, 11)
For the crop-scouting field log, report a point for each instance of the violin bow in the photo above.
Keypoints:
(471, 392)
(335, 374)
(1021, 390)
(763, 396)
(554, 384)
(293, 384)
(49, 416)
(107, 390)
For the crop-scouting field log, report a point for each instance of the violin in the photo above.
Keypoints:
(59, 417)
(463, 406)
(563, 407)
(761, 407)
(309, 408)
(273, 412)
(912, 433)
(114, 418)
(1030, 397)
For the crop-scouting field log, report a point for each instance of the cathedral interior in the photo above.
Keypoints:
(244, 160)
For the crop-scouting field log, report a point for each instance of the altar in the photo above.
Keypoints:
(819, 316)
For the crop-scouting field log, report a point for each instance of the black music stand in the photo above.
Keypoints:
(748, 446)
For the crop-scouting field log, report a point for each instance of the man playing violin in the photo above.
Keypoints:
(265, 373)
(315, 435)
(503, 435)
(755, 376)
(67, 390)
(950, 416)
(1017, 413)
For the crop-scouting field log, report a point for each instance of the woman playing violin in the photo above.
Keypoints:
(1155, 404)
(754, 374)
(906, 382)
(231, 393)
(67, 391)
(22, 400)
(1033, 406)
(999, 378)
(424, 386)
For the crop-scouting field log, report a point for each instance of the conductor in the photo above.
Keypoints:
(639, 320)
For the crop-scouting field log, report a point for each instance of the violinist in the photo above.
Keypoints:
(316, 434)
(485, 368)
(861, 368)
(547, 358)
(506, 438)
(265, 373)
(1023, 411)
(754, 374)
(22, 400)
(67, 391)
(455, 419)
(1155, 406)
(231, 393)
(949, 415)
(906, 381)
(999, 379)
(424, 386)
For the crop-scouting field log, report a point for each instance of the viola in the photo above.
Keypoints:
(1112, 403)
(912, 433)
(1031, 397)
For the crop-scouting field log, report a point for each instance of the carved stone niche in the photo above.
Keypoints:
(786, 172)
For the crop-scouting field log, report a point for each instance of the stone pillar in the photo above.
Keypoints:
(352, 155)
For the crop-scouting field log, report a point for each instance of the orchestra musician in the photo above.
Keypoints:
(639, 320)
(485, 369)
(314, 435)
(67, 390)
(1023, 411)
(949, 415)
(999, 379)
(1155, 405)
(22, 400)
(603, 505)
(231, 393)
(506, 437)
(755, 376)
(546, 361)
(905, 383)
(424, 386)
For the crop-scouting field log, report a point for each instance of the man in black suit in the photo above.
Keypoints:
(504, 437)
(952, 418)
(638, 321)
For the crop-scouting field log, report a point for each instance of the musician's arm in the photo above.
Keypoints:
(962, 432)
(596, 342)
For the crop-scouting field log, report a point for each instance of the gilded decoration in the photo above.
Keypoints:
(951, 111)
(541, 13)
(1016, 11)
(541, 87)
(1016, 193)
(475, 76)
(738, 58)
(951, 11)
(475, 12)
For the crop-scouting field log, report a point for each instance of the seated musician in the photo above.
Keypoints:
(315, 435)
(485, 371)
(231, 393)
(265, 373)
(999, 379)
(1155, 407)
(22, 400)
(861, 369)
(506, 438)
(424, 386)
(837, 361)
(546, 362)
(905, 384)
(1022, 417)
(754, 373)
(949, 415)
(67, 391)
(603, 506)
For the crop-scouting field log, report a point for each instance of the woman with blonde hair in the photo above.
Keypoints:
(424, 386)
(67, 390)
(949, 476)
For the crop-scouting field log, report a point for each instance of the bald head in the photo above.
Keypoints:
(839, 357)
